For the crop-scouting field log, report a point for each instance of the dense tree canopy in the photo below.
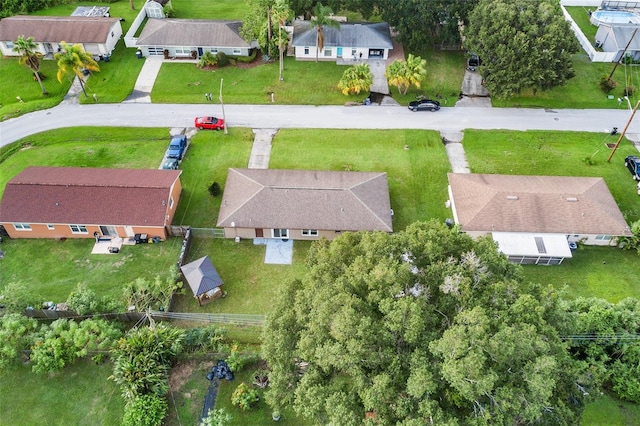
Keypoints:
(524, 44)
(418, 327)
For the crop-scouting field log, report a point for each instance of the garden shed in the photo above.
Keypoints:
(203, 279)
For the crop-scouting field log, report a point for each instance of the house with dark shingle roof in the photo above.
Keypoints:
(203, 279)
(180, 37)
(77, 202)
(534, 218)
(367, 40)
(97, 35)
(303, 204)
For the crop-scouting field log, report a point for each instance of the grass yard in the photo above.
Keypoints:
(609, 411)
(78, 395)
(581, 17)
(250, 284)
(220, 9)
(415, 161)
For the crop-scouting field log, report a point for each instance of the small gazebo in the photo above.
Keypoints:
(203, 279)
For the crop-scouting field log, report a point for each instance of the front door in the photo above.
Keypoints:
(280, 233)
(129, 231)
(199, 52)
(259, 233)
(108, 231)
(339, 52)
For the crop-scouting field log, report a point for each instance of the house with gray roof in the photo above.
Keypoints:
(534, 218)
(82, 202)
(351, 41)
(303, 204)
(181, 37)
(97, 35)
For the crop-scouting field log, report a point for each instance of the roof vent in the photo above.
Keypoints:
(572, 199)
(512, 197)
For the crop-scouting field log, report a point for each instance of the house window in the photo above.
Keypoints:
(309, 232)
(8, 44)
(78, 229)
(603, 237)
(237, 51)
(51, 227)
(22, 226)
(183, 51)
(170, 202)
(214, 50)
(155, 51)
(280, 233)
(306, 50)
(327, 51)
(353, 52)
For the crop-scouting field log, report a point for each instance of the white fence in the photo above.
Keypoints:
(593, 54)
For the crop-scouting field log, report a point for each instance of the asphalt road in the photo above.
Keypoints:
(297, 116)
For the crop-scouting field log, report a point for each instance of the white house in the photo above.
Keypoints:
(615, 38)
(350, 41)
(97, 35)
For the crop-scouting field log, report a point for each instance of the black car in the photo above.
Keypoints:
(170, 164)
(424, 105)
(633, 164)
(473, 62)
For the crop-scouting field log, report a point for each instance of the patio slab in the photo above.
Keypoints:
(279, 252)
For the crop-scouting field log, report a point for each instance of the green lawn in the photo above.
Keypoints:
(79, 395)
(608, 411)
(581, 17)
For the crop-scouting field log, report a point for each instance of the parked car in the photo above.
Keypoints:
(424, 105)
(633, 164)
(473, 62)
(177, 146)
(170, 164)
(212, 123)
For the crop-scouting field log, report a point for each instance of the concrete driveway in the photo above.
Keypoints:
(474, 94)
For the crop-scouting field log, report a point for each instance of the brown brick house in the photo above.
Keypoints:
(77, 202)
(303, 204)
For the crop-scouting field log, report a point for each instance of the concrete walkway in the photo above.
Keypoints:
(146, 79)
(261, 150)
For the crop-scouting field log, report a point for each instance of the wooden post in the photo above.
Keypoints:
(623, 52)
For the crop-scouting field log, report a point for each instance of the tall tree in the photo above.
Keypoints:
(280, 13)
(74, 59)
(425, 326)
(322, 18)
(524, 44)
(404, 74)
(30, 57)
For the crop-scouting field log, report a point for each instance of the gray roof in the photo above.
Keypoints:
(623, 33)
(54, 29)
(306, 199)
(544, 204)
(201, 276)
(373, 35)
(191, 33)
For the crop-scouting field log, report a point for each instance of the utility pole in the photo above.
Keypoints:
(623, 52)
(613, 150)
(224, 118)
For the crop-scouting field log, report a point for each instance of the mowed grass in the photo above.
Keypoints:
(415, 162)
(581, 17)
(608, 411)
(251, 285)
(78, 395)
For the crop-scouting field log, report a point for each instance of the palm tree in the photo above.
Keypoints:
(26, 47)
(321, 19)
(356, 79)
(280, 13)
(74, 59)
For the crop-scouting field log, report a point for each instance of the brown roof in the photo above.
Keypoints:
(54, 29)
(191, 33)
(544, 204)
(306, 199)
(87, 196)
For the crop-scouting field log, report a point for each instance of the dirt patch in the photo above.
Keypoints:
(181, 373)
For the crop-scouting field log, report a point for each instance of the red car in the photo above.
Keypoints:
(212, 123)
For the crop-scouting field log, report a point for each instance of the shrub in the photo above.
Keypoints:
(607, 84)
(84, 300)
(208, 339)
(17, 297)
(214, 189)
(630, 90)
(247, 59)
(244, 396)
(145, 410)
(207, 59)
(17, 333)
(217, 417)
(223, 59)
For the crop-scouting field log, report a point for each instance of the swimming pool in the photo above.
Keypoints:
(614, 17)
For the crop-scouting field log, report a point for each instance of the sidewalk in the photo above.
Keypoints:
(146, 79)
